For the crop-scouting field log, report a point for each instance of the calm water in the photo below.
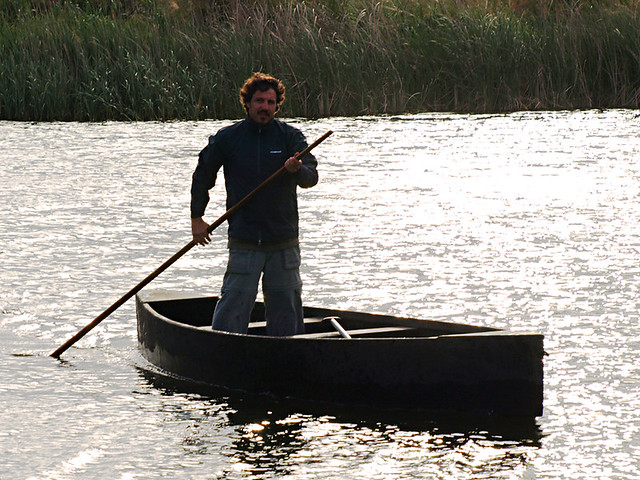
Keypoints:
(529, 221)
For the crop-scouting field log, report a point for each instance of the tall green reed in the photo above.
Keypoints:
(167, 59)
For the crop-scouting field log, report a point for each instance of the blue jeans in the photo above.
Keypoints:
(281, 288)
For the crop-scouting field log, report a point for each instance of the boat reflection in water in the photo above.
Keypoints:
(283, 417)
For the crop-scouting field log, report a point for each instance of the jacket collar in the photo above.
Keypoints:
(256, 127)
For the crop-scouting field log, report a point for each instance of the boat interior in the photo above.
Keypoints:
(319, 322)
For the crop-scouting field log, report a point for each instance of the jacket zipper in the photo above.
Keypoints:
(259, 160)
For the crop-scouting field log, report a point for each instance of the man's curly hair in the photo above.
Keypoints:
(262, 82)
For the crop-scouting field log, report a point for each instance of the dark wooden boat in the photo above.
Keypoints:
(388, 362)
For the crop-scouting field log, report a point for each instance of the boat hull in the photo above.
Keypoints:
(482, 371)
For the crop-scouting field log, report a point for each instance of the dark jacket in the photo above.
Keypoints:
(249, 154)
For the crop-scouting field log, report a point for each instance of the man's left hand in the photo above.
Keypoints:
(293, 164)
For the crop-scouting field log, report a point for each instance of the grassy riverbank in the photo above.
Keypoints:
(185, 59)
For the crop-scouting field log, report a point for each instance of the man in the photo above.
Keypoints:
(263, 234)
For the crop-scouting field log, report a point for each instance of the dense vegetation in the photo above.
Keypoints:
(185, 59)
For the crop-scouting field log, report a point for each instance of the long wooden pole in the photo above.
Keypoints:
(179, 254)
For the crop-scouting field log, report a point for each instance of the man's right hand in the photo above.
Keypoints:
(199, 231)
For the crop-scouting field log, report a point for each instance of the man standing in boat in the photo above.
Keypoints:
(263, 235)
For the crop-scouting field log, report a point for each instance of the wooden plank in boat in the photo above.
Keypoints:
(356, 333)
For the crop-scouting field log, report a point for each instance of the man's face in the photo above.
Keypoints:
(262, 107)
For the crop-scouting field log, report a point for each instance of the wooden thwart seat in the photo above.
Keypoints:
(307, 321)
(359, 332)
(356, 332)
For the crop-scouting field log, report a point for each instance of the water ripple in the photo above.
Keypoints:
(527, 221)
